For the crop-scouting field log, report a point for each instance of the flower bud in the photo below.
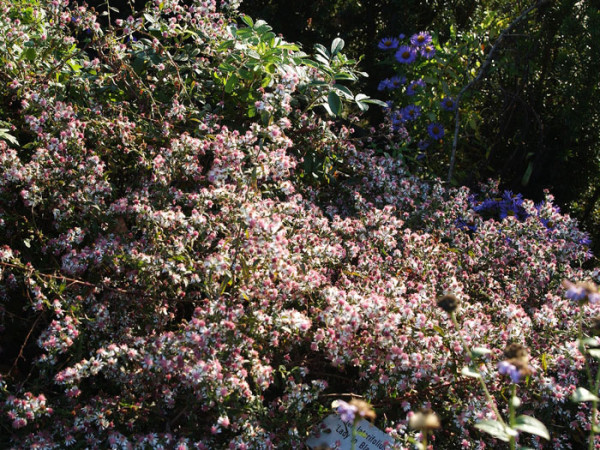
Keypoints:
(364, 409)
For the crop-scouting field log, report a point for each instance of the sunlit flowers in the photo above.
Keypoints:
(421, 39)
(406, 54)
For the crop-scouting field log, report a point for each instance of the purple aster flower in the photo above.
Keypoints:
(384, 84)
(580, 292)
(397, 123)
(388, 43)
(512, 205)
(397, 118)
(427, 51)
(401, 36)
(420, 39)
(594, 298)
(489, 204)
(346, 411)
(406, 54)
(412, 87)
(506, 368)
(435, 130)
(423, 144)
(410, 112)
(397, 81)
(448, 103)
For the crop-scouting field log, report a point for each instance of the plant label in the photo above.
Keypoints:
(336, 434)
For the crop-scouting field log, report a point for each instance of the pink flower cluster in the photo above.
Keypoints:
(195, 281)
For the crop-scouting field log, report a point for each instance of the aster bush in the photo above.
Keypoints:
(428, 75)
(194, 254)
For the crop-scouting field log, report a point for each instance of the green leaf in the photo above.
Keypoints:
(287, 46)
(494, 428)
(478, 352)
(362, 106)
(336, 46)
(322, 60)
(266, 81)
(374, 101)
(344, 90)
(248, 21)
(245, 74)
(345, 76)
(322, 50)
(591, 342)
(531, 425)
(225, 45)
(328, 109)
(334, 102)
(527, 174)
(470, 372)
(231, 83)
(8, 137)
(149, 17)
(583, 395)
(29, 54)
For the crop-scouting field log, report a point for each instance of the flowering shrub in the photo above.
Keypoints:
(191, 261)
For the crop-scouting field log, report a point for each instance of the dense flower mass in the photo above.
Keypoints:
(193, 256)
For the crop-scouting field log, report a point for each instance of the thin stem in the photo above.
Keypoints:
(594, 420)
(594, 388)
(511, 409)
(424, 441)
(488, 396)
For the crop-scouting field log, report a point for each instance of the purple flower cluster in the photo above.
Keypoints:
(418, 44)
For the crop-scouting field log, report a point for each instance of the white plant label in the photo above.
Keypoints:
(337, 434)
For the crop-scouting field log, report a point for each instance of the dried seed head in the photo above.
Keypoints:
(363, 409)
(516, 351)
(424, 420)
(522, 366)
(448, 302)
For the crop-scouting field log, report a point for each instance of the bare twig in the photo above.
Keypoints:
(75, 281)
(482, 70)
(20, 355)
